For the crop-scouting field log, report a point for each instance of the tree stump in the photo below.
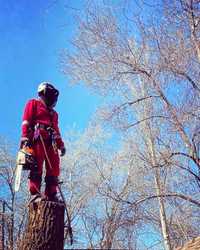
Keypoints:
(45, 228)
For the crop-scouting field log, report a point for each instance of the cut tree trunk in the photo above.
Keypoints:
(45, 227)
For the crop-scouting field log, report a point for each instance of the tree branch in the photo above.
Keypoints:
(145, 119)
(173, 195)
(196, 161)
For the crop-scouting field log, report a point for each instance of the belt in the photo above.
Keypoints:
(48, 128)
(43, 126)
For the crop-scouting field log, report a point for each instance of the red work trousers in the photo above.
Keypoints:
(52, 171)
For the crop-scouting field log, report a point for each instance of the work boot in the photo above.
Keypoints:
(35, 198)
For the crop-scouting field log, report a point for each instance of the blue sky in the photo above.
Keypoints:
(32, 36)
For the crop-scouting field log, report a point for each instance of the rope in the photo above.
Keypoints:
(59, 188)
(45, 151)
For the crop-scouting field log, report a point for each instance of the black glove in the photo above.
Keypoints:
(62, 151)
(25, 143)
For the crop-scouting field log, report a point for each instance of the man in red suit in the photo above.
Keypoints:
(40, 131)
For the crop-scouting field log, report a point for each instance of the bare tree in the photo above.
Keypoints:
(14, 206)
(147, 59)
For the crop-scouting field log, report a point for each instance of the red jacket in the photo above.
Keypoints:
(37, 112)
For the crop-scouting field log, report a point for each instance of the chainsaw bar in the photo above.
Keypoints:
(18, 174)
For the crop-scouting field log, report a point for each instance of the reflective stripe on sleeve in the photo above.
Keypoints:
(24, 138)
(25, 123)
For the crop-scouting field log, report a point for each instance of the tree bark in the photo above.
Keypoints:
(45, 228)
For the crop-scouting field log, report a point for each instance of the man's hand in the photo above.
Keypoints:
(62, 151)
(25, 143)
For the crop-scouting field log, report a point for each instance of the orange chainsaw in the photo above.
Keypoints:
(25, 161)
